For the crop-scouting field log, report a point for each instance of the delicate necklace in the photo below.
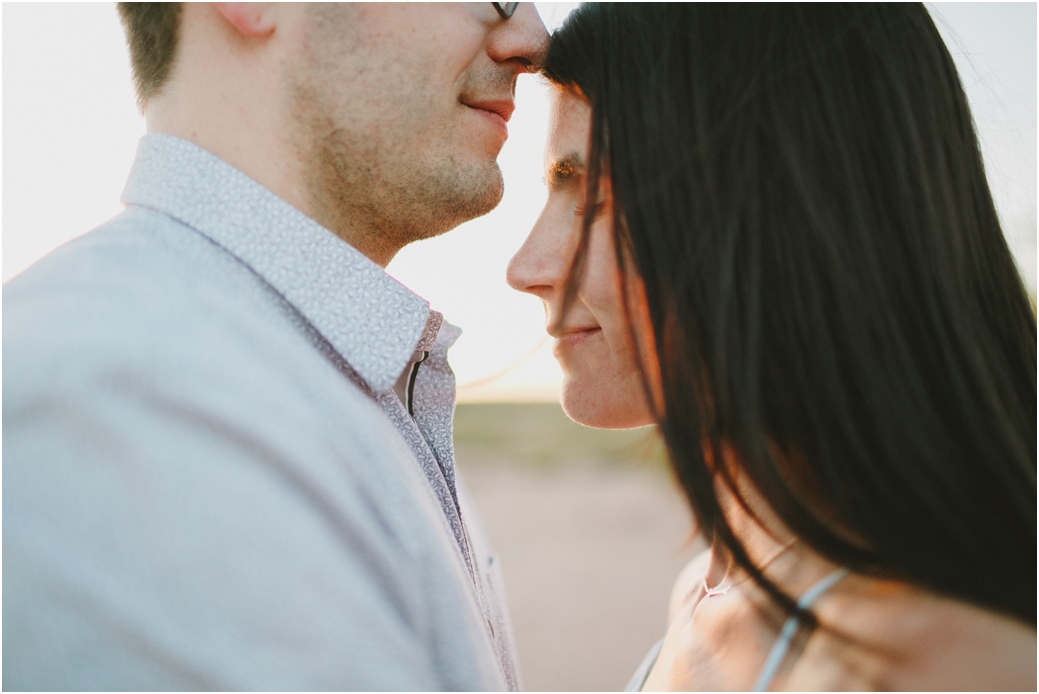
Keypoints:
(722, 590)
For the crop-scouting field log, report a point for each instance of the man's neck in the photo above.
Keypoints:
(271, 163)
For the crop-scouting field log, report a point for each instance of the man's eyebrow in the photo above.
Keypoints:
(563, 170)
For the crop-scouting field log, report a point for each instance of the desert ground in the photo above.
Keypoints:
(591, 532)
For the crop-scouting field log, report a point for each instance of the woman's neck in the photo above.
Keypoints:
(768, 543)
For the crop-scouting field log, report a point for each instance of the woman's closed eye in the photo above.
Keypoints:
(597, 209)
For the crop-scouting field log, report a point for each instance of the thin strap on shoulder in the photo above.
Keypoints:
(786, 635)
(638, 680)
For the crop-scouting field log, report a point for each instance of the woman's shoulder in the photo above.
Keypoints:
(688, 581)
(886, 635)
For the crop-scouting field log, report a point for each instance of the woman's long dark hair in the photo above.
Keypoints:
(834, 305)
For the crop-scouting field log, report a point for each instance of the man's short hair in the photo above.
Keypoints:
(151, 34)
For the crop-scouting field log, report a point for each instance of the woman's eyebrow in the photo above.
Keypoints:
(563, 170)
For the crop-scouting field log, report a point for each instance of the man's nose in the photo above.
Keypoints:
(521, 39)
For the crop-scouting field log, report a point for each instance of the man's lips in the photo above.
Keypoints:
(499, 107)
(499, 112)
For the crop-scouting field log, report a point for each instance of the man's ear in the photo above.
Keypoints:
(252, 19)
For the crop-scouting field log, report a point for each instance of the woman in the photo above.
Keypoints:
(769, 232)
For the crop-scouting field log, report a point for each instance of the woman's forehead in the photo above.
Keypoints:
(569, 127)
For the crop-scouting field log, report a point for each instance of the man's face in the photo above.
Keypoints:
(399, 112)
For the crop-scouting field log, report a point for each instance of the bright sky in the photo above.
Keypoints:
(71, 128)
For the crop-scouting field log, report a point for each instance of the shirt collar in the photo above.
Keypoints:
(372, 320)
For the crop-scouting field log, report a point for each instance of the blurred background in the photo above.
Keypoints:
(589, 526)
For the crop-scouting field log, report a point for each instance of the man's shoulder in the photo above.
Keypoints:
(148, 300)
(139, 261)
(171, 347)
(167, 413)
(141, 284)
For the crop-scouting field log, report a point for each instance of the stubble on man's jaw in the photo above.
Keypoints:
(360, 183)
(378, 205)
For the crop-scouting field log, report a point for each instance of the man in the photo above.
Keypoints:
(227, 431)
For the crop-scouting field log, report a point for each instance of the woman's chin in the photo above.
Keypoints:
(604, 408)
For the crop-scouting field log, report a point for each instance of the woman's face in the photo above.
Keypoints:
(602, 386)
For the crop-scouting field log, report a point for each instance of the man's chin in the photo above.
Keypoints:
(423, 206)
(446, 217)
(475, 197)
(492, 198)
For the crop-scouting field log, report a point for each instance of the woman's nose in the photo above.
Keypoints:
(540, 265)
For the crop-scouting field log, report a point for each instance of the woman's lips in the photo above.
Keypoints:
(577, 337)
(568, 348)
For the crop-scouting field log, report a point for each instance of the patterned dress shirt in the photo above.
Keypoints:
(210, 479)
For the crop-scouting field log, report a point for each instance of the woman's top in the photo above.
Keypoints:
(779, 648)
(639, 678)
(789, 630)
